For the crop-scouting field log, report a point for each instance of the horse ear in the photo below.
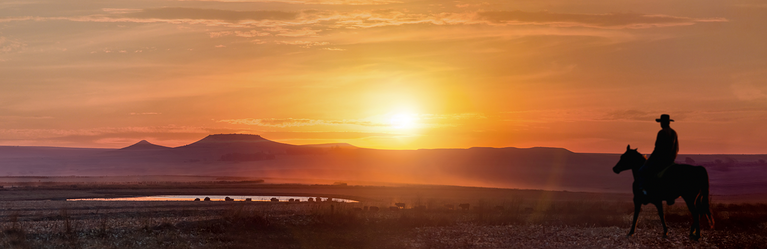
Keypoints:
(628, 147)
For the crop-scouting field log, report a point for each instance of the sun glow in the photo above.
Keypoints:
(403, 121)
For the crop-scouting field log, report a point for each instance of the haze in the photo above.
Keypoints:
(589, 76)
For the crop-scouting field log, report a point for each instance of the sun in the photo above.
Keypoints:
(403, 121)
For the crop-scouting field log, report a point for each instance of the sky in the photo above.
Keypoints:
(589, 76)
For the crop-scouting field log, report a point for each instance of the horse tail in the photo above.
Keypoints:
(705, 198)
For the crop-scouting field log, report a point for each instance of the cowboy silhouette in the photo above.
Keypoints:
(666, 149)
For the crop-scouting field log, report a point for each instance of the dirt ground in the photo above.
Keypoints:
(430, 217)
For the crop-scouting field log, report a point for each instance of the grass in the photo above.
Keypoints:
(50, 224)
(431, 218)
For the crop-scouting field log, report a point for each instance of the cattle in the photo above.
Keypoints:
(464, 206)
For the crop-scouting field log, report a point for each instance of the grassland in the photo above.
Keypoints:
(39, 217)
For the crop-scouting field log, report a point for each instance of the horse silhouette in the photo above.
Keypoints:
(688, 181)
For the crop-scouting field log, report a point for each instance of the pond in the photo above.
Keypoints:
(216, 198)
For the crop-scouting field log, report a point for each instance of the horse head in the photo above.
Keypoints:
(629, 160)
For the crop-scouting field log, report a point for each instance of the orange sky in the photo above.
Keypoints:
(589, 76)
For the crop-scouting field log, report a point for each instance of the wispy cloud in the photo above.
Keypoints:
(611, 20)
(381, 120)
(296, 122)
(211, 14)
(328, 2)
(248, 33)
(8, 45)
(749, 86)
(120, 10)
(37, 133)
(20, 117)
(277, 21)
(109, 137)
(632, 115)
(303, 44)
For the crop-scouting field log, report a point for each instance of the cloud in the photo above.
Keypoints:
(8, 45)
(749, 86)
(746, 90)
(296, 122)
(432, 120)
(633, 115)
(751, 5)
(19, 117)
(38, 133)
(322, 135)
(211, 14)
(303, 44)
(294, 32)
(324, 2)
(120, 11)
(251, 33)
(311, 22)
(611, 20)
(455, 116)
(109, 137)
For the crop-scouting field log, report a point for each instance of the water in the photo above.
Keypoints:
(212, 198)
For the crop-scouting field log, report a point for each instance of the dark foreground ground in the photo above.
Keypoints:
(39, 217)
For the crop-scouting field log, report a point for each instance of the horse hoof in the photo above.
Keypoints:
(694, 238)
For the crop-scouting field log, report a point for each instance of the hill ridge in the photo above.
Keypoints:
(144, 145)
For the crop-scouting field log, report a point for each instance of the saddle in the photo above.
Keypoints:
(662, 172)
(657, 182)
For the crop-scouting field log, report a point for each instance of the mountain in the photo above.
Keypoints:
(257, 157)
(145, 145)
(218, 145)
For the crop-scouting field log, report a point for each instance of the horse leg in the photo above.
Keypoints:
(705, 210)
(637, 208)
(659, 205)
(695, 227)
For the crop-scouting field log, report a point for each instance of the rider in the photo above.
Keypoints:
(666, 149)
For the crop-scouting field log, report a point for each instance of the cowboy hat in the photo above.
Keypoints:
(664, 117)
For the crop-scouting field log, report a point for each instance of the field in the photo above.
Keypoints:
(429, 217)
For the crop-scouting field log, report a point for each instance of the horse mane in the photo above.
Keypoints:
(640, 154)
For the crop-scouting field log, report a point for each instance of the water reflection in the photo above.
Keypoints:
(217, 198)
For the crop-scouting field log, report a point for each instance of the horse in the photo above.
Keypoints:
(688, 181)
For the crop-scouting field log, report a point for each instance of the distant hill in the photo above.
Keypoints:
(221, 144)
(332, 146)
(145, 145)
(245, 155)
